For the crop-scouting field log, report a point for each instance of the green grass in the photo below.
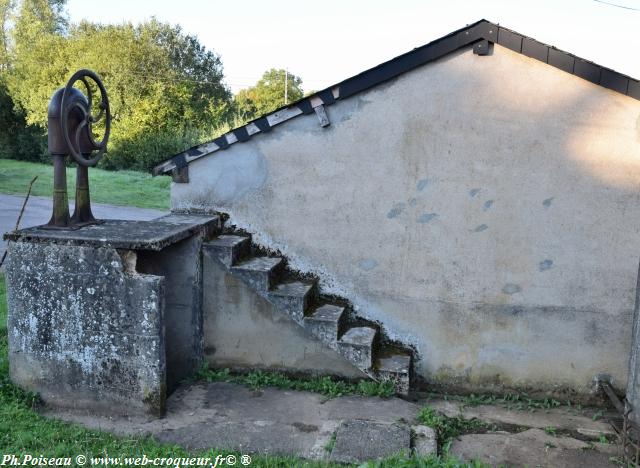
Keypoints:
(128, 188)
(331, 443)
(513, 401)
(603, 439)
(447, 429)
(523, 402)
(322, 384)
(24, 431)
(445, 461)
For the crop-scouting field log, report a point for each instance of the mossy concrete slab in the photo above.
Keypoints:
(588, 423)
(123, 234)
(359, 440)
(532, 447)
(232, 417)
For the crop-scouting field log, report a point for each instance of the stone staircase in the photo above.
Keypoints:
(360, 342)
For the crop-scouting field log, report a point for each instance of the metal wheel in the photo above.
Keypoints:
(73, 141)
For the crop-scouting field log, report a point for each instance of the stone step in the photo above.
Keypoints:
(298, 299)
(395, 366)
(211, 224)
(294, 297)
(259, 272)
(228, 250)
(324, 323)
(356, 344)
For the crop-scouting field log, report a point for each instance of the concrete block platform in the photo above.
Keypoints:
(154, 235)
(107, 316)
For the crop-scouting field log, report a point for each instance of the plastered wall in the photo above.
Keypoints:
(483, 208)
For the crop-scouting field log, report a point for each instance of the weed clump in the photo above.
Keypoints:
(447, 429)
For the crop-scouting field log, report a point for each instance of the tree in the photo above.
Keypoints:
(6, 8)
(165, 89)
(268, 94)
(38, 18)
(200, 68)
(18, 139)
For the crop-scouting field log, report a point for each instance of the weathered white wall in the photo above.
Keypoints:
(485, 209)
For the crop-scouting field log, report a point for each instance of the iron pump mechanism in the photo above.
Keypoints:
(70, 133)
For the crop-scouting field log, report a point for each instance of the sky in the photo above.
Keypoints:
(327, 41)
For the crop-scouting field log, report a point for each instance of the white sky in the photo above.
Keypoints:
(327, 41)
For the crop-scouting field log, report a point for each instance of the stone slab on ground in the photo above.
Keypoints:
(229, 416)
(425, 441)
(359, 440)
(532, 447)
(562, 419)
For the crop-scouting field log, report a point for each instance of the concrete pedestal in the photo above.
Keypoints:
(107, 317)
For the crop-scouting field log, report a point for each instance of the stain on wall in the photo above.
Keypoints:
(427, 217)
(367, 264)
(511, 288)
(545, 264)
(233, 179)
(396, 210)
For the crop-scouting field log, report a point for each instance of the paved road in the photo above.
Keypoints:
(38, 211)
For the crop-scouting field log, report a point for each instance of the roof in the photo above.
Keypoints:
(481, 35)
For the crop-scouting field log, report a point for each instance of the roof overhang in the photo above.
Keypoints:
(482, 35)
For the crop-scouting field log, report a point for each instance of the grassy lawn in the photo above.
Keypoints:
(115, 187)
(24, 431)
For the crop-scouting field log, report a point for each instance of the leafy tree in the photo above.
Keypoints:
(165, 89)
(17, 139)
(38, 18)
(268, 94)
(6, 7)
(195, 65)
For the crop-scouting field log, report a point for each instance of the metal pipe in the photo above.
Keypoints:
(82, 214)
(60, 217)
